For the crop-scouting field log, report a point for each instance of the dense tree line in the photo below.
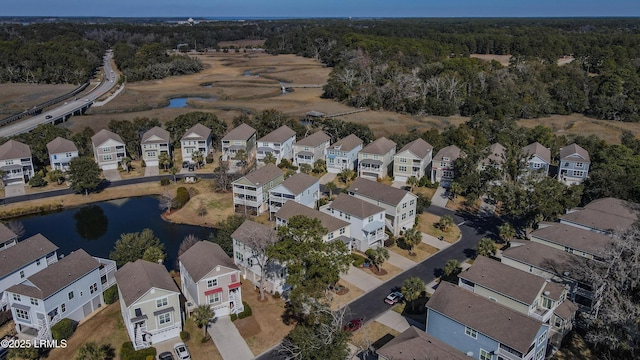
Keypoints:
(151, 61)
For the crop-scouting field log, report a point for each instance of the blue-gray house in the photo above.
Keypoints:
(483, 329)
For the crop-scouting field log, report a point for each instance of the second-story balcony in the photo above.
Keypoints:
(541, 314)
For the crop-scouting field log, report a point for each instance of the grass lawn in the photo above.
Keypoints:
(197, 348)
(371, 333)
(218, 207)
(420, 251)
(425, 191)
(391, 271)
(426, 224)
(573, 348)
(341, 300)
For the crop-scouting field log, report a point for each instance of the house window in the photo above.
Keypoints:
(306, 148)
(540, 354)
(151, 154)
(33, 301)
(93, 288)
(8, 162)
(70, 295)
(330, 236)
(239, 256)
(63, 307)
(370, 218)
(547, 303)
(412, 202)
(542, 338)
(106, 149)
(579, 164)
(107, 157)
(402, 168)
(558, 322)
(38, 262)
(470, 332)
(22, 314)
(444, 164)
(213, 298)
(16, 297)
(164, 318)
(578, 173)
(103, 279)
(404, 205)
(347, 216)
(536, 165)
(375, 157)
(403, 160)
(68, 155)
(447, 174)
(404, 216)
(21, 274)
(342, 231)
(162, 302)
(214, 282)
(484, 355)
(410, 212)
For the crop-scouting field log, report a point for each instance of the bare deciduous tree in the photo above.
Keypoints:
(187, 243)
(258, 238)
(166, 201)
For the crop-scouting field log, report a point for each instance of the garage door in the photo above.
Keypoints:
(110, 167)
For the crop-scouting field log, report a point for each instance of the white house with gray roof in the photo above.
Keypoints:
(301, 188)
(538, 157)
(197, 138)
(375, 159)
(574, 164)
(23, 259)
(442, 168)
(337, 229)
(108, 149)
(155, 141)
(585, 243)
(251, 192)
(209, 277)
(399, 205)
(414, 159)
(278, 143)
(343, 154)
(61, 152)
(16, 162)
(149, 303)
(606, 215)
(311, 148)
(69, 288)
(367, 220)
(242, 137)
(7, 237)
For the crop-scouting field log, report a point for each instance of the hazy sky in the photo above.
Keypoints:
(321, 8)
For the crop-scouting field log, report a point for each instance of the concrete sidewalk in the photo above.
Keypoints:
(393, 320)
(361, 279)
(440, 197)
(228, 340)
(400, 261)
(433, 241)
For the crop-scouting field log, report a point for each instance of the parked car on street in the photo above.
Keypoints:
(394, 297)
(353, 325)
(181, 351)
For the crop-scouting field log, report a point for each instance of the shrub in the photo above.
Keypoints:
(246, 313)
(111, 295)
(184, 335)
(128, 353)
(209, 159)
(358, 260)
(38, 180)
(276, 295)
(63, 329)
(165, 181)
(423, 203)
(182, 197)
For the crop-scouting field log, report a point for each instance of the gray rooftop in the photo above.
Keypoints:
(574, 152)
(538, 149)
(24, 252)
(566, 235)
(566, 310)
(292, 208)
(380, 146)
(14, 150)
(250, 231)
(60, 145)
(279, 135)
(452, 152)
(241, 132)
(103, 136)
(418, 147)
(544, 257)
(347, 143)
(496, 155)
(156, 131)
(299, 182)
(605, 214)
(200, 131)
(316, 139)
(378, 191)
(203, 257)
(6, 235)
(415, 344)
(355, 207)
(57, 276)
(136, 278)
(496, 321)
(263, 174)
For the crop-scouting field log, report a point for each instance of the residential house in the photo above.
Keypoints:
(149, 303)
(343, 154)
(251, 192)
(16, 162)
(311, 148)
(301, 188)
(69, 288)
(242, 137)
(574, 240)
(336, 229)
(23, 259)
(496, 157)
(538, 157)
(375, 159)
(209, 277)
(606, 215)
(521, 291)
(481, 328)
(367, 220)
(399, 205)
(61, 152)
(197, 138)
(442, 169)
(574, 164)
(108, 149)
(248, 240)
(414, 343)
(154, 142)
(412, 160)
(278, 143)
(7, 237)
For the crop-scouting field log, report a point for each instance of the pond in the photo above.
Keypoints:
(182, 102)
(96, 227)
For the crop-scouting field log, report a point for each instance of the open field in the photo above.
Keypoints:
(15, 98)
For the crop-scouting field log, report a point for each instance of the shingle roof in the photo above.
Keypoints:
(263, 174)
(60, 145)
(355, 207)
(452, 152)
(198, 129)
(203, 257)
(418, 147)
(156, 131)
(380, 146)
(538, 149)
(415, 344)
(136, 278)
(57, 276)
(499, 322)
(568, 153)
(103, 136)
(6, 234)
(574, 237)
(292, 208)
(24, 252)
(496, 154)
(240, 132)
(252, 230)
(280, 134)
(504, 279)
(566, 310)
(606, 214)
(315, 139)
(298, 183)
(377, 191)
(541, 256)
(347, 143)
(13, 150)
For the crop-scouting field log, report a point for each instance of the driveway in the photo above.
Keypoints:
(111, 175)
(440, 198)
(14, 190)
(327, 177)
(151, 171)
(228, 340)
(361, 279)
(167, 345)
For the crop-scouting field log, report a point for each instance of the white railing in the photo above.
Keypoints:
(541, 314)
(44, 332)
(52, 260)
(238, 307)
(465, 286)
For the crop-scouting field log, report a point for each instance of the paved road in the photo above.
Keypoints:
(25, 125)
(472, 227)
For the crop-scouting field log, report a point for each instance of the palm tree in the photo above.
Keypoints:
(485, 247)
(452, 268)
(320, 166)
(412, 181)
(378, 256)
(173, 171)
(198, 158)
(305, 168)
(164, 160)
(412, 289)
(412, 237)
(269, 159)
(92, 351)
(203, 315)
(445, 223)
(455, 189)
(346, 175)
(331, 186)
(507, 232)
(126, 162)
